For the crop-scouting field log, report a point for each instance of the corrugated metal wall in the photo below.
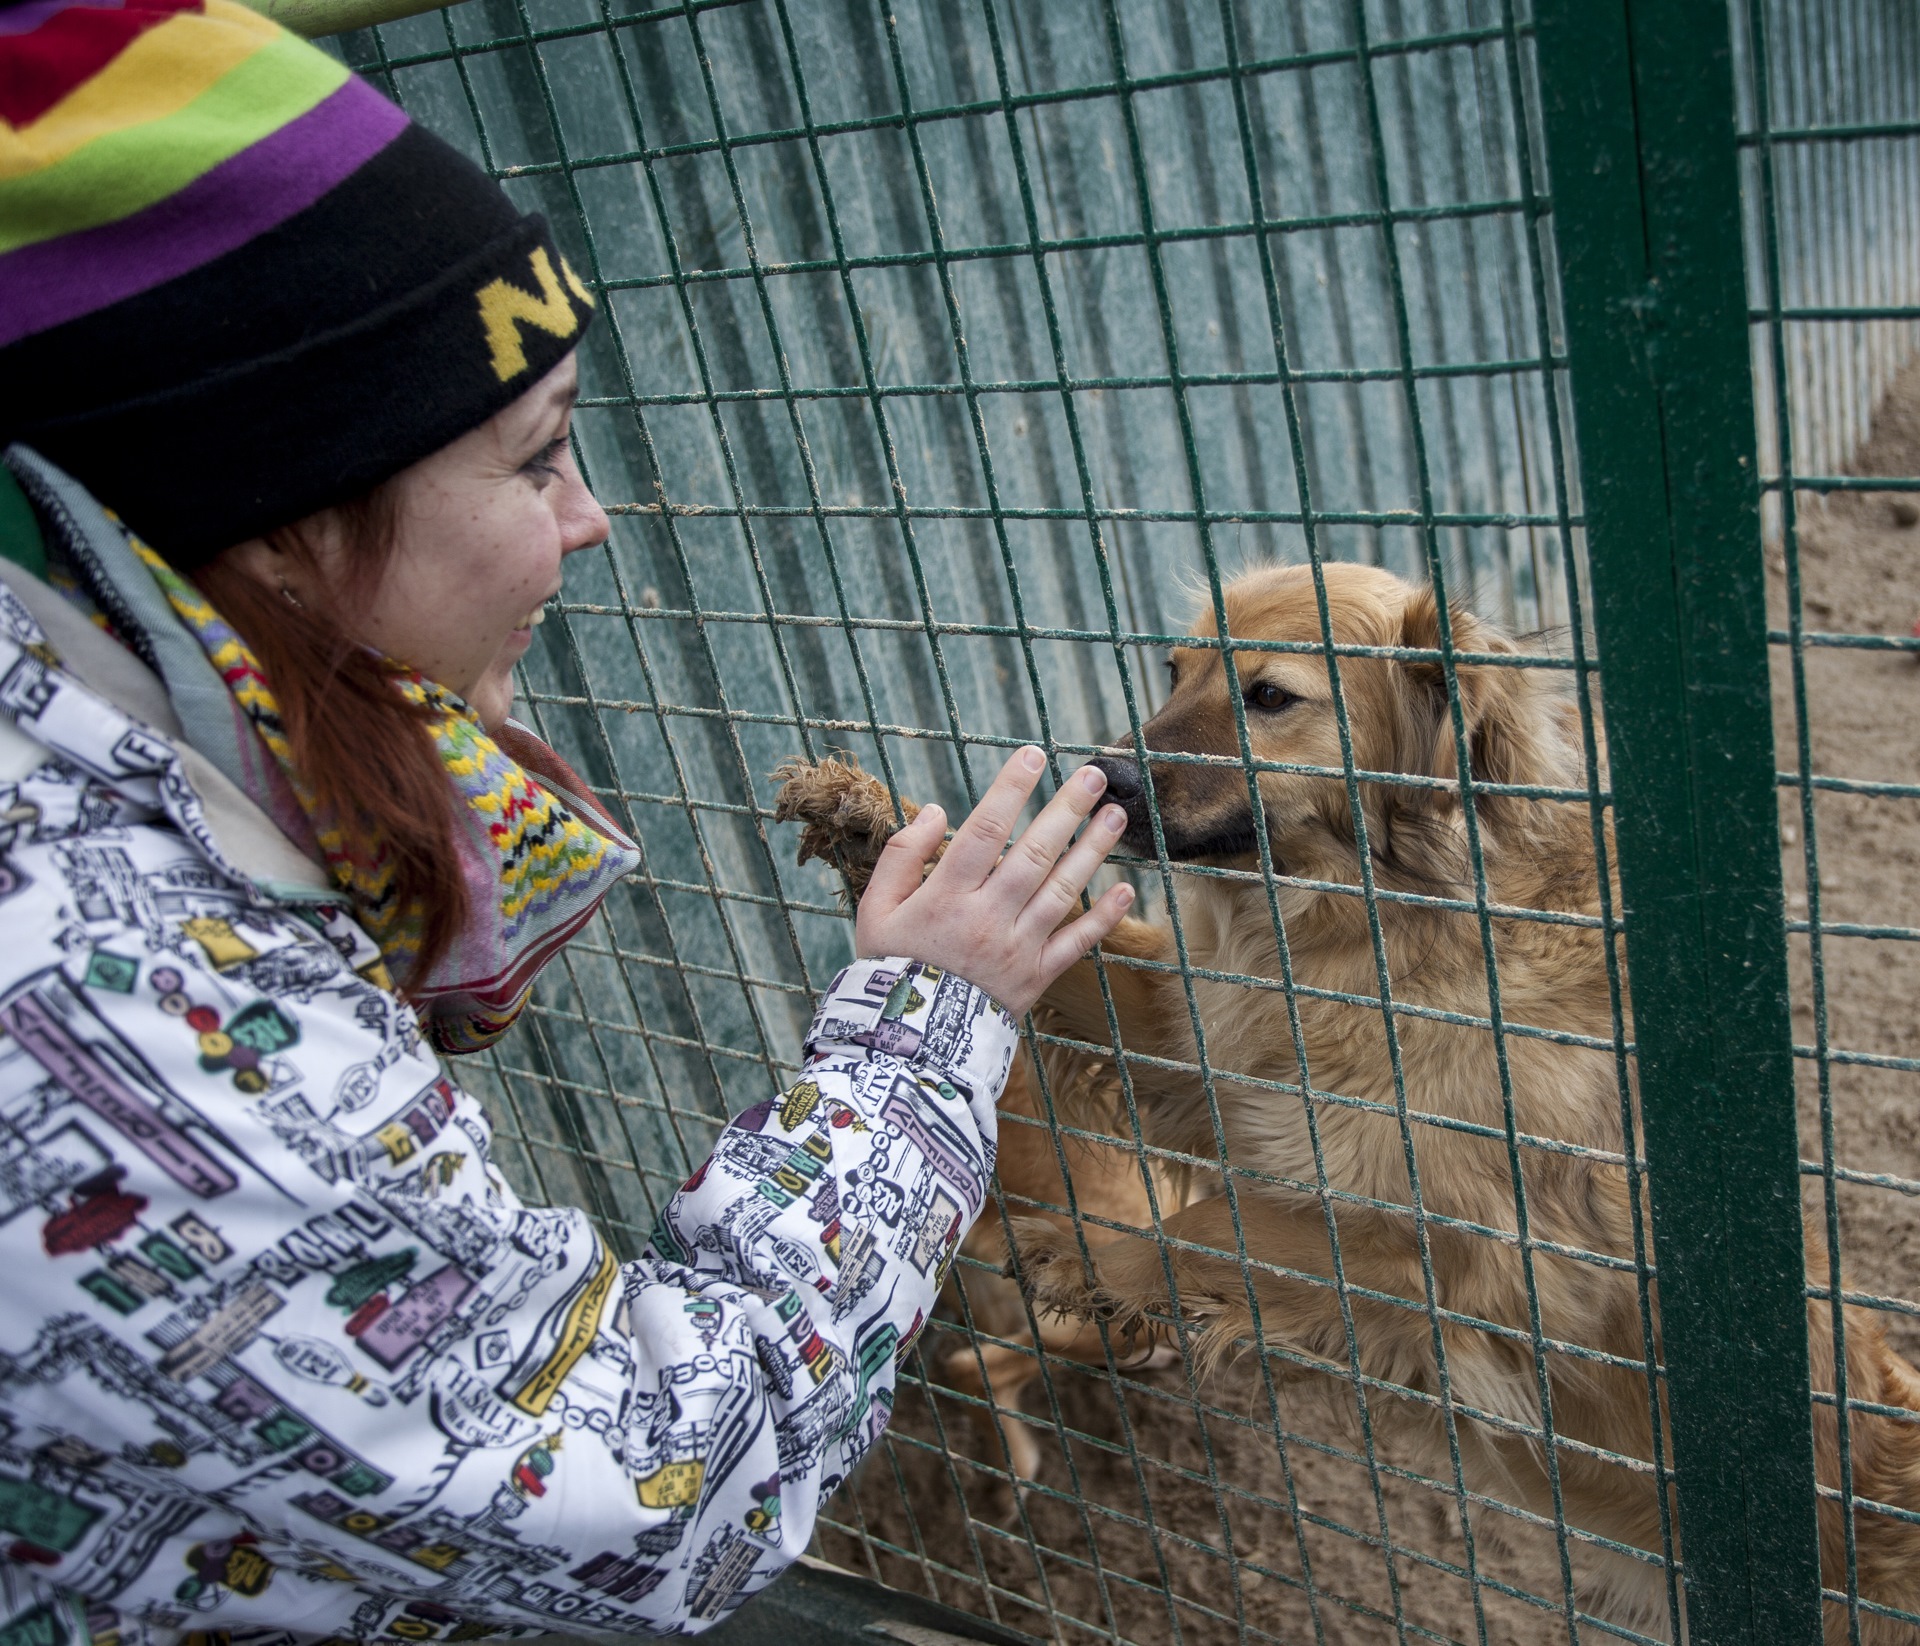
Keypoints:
(831, 391)
(1843, 110)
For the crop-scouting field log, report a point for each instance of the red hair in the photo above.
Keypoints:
(364, 753)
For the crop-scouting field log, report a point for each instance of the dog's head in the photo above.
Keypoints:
(1397, 711)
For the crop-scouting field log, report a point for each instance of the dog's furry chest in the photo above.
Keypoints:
(1251, 1033)
(1356, 1070)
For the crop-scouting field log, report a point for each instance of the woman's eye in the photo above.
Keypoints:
(546, 461)
(1268, 696)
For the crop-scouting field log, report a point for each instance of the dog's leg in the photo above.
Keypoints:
(997, 1375)
(1128, 1285)
(1291, 1272)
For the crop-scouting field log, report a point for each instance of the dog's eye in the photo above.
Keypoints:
(1266, 695)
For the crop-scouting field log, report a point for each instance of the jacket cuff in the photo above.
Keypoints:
(923, 1016)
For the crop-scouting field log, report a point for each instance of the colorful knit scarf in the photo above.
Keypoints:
(534, 871)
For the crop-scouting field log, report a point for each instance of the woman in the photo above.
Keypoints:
(287, 387)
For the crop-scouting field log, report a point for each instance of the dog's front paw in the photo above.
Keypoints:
(1052, 1273)
(1059, 1281)
(848, 815)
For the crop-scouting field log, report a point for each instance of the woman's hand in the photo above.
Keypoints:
(993, 919)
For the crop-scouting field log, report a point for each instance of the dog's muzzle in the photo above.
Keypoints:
(1127, 788)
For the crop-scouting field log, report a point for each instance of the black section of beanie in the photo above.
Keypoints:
(403, 308)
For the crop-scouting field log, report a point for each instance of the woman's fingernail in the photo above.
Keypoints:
(1092, 779)
(1113, 819)
(1125, 897)
(1032, 759)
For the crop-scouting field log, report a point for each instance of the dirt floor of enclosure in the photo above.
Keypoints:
(1158, 1461)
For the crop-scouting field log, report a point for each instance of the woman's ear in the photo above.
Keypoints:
(277, 569)
(259, 559)
(1508, 736)
(301, 563)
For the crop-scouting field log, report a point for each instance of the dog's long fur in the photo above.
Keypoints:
(1538, 854)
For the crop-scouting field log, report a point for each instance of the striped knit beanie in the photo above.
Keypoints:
(238, 285)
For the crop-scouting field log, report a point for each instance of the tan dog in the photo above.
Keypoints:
(1538, 855)
(850, 817)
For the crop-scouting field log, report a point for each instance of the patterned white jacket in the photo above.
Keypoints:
(282, 1355)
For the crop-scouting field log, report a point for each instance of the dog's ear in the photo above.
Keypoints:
(1507, 717)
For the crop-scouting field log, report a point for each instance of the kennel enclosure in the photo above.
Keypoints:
(954, 356)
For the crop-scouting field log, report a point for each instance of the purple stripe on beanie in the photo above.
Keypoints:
(27, 15)
(54, 281)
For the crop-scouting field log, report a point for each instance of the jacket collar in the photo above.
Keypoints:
(130, 702)
(83, 537)
(537, 854)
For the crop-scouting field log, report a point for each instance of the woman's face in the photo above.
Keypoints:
(480, 530)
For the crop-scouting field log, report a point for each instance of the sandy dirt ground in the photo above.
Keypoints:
(1169, 1518)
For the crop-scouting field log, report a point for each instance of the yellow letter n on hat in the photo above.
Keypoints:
(505, 308)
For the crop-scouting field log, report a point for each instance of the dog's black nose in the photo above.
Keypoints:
(1124, 787)
(1127, 788)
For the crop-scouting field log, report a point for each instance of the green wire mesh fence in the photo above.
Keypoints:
(1835, 143)
(955, 357)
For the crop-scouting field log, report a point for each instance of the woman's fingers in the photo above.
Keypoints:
(1034, 856)
(903, 861)
(1053, 899)
(978, 842)
(1072, 942)
(995, 926)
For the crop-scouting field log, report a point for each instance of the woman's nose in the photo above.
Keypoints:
(584, 524)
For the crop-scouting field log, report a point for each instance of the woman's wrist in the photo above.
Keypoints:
(933, 1019)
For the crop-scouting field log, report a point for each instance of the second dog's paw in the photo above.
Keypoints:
(1055, 1277)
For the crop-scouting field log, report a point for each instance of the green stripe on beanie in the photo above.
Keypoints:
(120, 172)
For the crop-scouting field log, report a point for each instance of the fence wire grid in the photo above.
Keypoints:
(1829, 180)
(954, 358)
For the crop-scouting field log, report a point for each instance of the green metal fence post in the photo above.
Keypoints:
(1638, 108)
